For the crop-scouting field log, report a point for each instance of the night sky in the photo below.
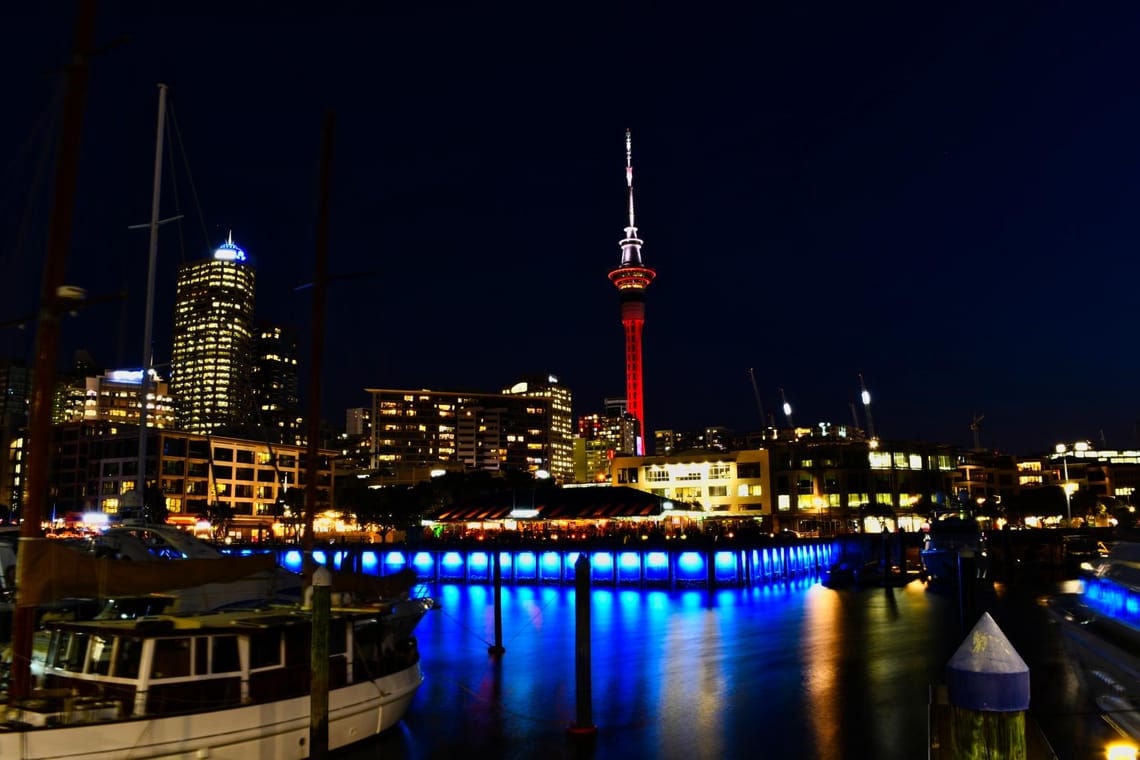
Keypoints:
(942, 199)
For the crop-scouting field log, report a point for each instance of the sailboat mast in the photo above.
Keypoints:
(320, 288)
(147, 353)
(53, 302)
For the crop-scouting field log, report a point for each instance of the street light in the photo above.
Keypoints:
(538, 475)
(1064, 452)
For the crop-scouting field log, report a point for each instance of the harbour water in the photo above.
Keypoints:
(789, 669)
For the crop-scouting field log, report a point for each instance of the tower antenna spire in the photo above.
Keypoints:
(629, 178)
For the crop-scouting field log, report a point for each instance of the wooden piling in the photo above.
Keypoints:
(988, 690)
(319, 659)
(583, 726)
(967, 590)
(497, 580)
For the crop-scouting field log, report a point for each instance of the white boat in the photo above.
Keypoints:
(227, 684)
(150, 543)
(1101, 629)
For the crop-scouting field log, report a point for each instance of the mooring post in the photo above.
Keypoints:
(497, 574)
(988, 689)
(319, 659)
(583, 726)
(967, 589)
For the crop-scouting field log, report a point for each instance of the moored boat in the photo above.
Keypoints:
(1100, 624)
(950, 539)
(226, 684)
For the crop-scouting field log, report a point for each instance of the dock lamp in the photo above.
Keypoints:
(1120, 751)
(1068, 489)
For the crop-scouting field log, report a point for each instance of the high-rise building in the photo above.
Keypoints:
(277, 406)
(15, 386)
(601, 437)
(213, 341)
(414, 431)
(631, 279)
(560, 421)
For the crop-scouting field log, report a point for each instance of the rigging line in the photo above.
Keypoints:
(533, 617)
(173, 169)
(189, 176)
(45, 133)
(441, 609)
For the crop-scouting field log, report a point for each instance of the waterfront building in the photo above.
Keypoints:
(820, 481)
(722, 483)
(114, 397)
(1103, 474)
(214, 340)
(273, 382)
(202, 477)
(418, 430)
(831, 479)
(631, 278)
(575, 512)
(993, 476)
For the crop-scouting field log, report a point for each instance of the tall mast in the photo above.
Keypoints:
(53, 302)
(320, 289)
(147, 352)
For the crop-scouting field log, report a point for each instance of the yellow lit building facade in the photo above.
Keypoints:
(114, 397)
(722, 483)
(197, 474)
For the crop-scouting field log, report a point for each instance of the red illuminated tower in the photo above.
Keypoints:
(632, 278)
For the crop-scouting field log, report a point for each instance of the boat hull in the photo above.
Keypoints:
(1107, 655)
(257, 732)
(941, 566)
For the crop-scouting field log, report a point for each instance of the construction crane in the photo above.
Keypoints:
(787, 409)
(854, 414)
(976, 426)
(866, 395)
(759, 403)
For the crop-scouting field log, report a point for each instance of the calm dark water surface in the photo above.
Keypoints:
(792, 670)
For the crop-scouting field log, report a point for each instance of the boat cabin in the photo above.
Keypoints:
(166, 665)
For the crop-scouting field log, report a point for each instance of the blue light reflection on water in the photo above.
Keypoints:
(796, 668)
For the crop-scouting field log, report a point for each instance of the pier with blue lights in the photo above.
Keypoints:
(666, 567)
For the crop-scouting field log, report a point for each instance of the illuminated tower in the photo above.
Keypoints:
(213, 341)
(632, 278)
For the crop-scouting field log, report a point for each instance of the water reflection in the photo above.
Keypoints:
(784, 670)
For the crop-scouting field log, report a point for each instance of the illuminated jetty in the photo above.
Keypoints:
(633, 566)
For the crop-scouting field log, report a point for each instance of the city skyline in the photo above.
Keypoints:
(937, 201)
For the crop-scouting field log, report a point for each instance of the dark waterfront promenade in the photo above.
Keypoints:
(787, 669)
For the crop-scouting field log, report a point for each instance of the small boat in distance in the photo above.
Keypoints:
(954, 536)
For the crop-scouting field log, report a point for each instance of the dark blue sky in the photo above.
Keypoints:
(943, 199)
